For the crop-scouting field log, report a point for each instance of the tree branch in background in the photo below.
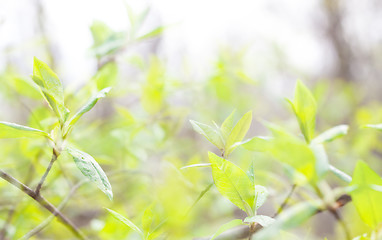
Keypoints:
(42, 180)
(43, 202)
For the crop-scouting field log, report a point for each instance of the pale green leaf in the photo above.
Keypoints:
(340, 174)
(51, 88)
(331, 134)
(367, 200)
(264, 221)
(153, 33)
(261, 194)
(232, 182)
(305, 109)
(227, 125)
(210, 133)
(227, 226)
(125, 221)
(106, 76)
(87, 107)
(238, 132)
(91, 169)
(375, 126)
(13, 130)
(196, 165)
(322, 162)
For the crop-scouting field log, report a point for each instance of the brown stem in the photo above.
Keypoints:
(43, 202)
(42, 180)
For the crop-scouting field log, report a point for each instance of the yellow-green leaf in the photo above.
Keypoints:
(13, 130)
(238, 132)
(305, 109)
(209, 132)
(125, 221)
(232, 182)
(366, 199)
(227, 226)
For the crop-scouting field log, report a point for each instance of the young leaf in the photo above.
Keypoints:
(196, 165)
(232, 182)
(125, 221)
(238, 132)
(261, 194)
(227, 226)
(51, 88)
(264, 221)
(210, 133)
(154, 33)
(90, 169)
(375, 126)
(331, 134)
(13, 130)
(87, 107)
(305, 109)
(367, 200)
(227, 125)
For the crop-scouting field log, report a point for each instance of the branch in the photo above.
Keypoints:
(243, 231)
(43, 202)
(281, 208)
(42, 180)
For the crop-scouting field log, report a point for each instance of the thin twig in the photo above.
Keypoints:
(281, 208)
(42, 180)
(339, 219)
(43, 202)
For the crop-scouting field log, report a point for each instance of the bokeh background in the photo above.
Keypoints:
(168, 62)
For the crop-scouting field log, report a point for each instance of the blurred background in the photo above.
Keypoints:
(168, 62)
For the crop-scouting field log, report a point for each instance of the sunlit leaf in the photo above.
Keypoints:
(87, 107)
(227, 226)
(227, 125)
(51, 88)
(238, 132)
(261, 194)
(125, 221)
(147, 219)
(322, 162)
(106, 76)
(209, 132)
(331, 134)
(340, 174)
(91, 169)
(196, 165)
(367, 200)
(257, 144)
(232, 182)
(264, 221)
(153, 33)
(13, 130)
(305, 108)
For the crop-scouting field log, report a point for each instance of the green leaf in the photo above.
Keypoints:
(256, 144)
(154, 33)
(305, 109)
(232, 182)
(227, 226)
(13, 130)
(227, 125)
(87, 107)
(238, 132)
(293, 151)
(91, 169)
(209, 132)
(331, 134)
(51, 88)
(264, 221)
(196, 165)
(125, 221)
(106, 76)
(290, 218)
(261, 194)
(375, 126)
(367, 200)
